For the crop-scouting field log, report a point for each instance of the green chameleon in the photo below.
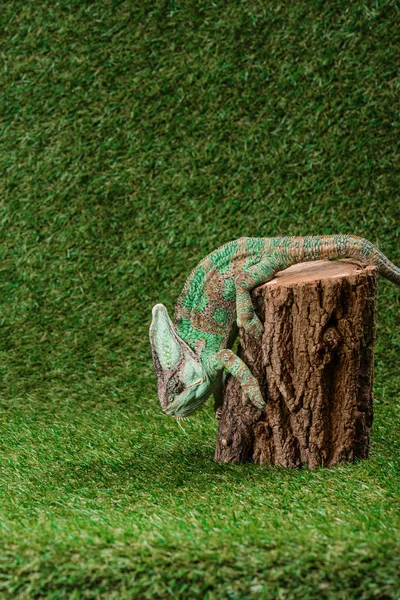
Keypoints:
(192, 355)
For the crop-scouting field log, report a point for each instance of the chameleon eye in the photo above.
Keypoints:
(176, 386)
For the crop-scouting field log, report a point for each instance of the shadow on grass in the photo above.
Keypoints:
(195, 469)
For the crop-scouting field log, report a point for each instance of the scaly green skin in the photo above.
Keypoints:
(190, 355)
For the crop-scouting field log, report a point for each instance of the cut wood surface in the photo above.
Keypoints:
(314, 365)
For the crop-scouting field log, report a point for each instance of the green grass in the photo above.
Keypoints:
(136, 137)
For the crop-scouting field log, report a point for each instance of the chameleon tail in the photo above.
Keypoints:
(340, 246)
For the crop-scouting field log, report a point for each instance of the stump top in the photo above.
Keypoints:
(318, 269)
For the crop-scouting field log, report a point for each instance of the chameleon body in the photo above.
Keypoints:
(191, 354)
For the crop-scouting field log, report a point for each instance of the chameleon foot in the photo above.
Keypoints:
(254, 328)
(218, 414)
(251, 393)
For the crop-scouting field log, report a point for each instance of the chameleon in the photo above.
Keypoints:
(192, 354)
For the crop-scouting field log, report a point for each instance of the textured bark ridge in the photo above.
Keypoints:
(315, 369)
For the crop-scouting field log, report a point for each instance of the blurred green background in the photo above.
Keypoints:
(136, 137)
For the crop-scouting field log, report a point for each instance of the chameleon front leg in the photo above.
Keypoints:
(227, 360)
(260, 273)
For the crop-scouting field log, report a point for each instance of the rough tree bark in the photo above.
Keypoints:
(315, 369)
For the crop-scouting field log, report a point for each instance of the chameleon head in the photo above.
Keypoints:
(183, 384)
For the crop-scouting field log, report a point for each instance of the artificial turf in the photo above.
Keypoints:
(136, 137)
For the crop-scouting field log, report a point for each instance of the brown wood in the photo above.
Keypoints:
(314, 366)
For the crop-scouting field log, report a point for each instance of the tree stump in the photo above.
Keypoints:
(314, 365)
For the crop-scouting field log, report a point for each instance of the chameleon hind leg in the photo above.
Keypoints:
(228, 360)
(259, 273)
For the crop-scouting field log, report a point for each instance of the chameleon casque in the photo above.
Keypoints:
(192, 354)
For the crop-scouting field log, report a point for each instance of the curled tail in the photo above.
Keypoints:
(342, 246)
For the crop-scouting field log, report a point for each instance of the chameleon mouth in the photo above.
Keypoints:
(189, 413)
(192, 408)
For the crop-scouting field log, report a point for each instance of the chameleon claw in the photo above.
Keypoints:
(218, 414)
